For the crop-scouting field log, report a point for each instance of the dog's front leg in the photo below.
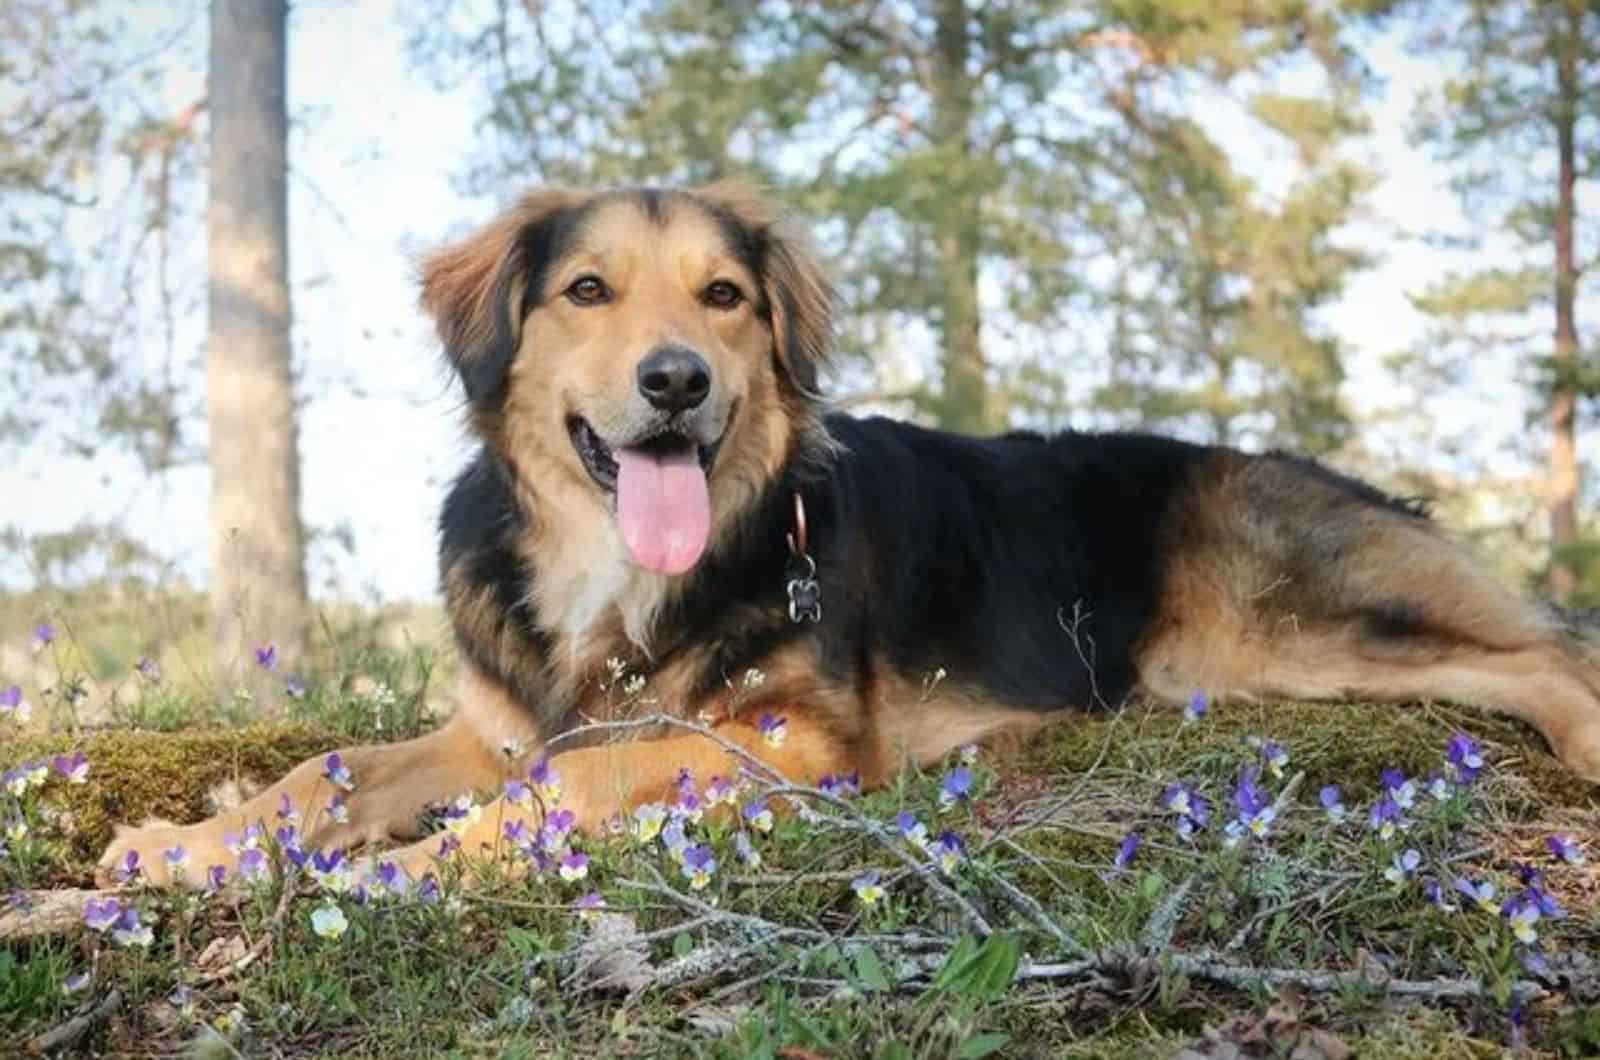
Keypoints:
(366, 794)
(598, 783)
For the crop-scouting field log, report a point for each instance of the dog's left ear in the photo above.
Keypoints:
(796, 287)
(476, 289)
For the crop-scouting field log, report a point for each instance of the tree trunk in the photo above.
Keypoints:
(966, 403)
(1565, 482)
(258, 582)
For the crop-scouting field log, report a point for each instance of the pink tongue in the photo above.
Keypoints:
(664, 508)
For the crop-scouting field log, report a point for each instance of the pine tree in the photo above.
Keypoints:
(974, 167)
(1517, 123)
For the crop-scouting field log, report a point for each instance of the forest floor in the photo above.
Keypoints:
(990, 906)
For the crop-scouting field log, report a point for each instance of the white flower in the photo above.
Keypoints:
(328, 921)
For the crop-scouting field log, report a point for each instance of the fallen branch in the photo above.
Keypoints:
(1125, 964)
(35, 913)
(71, 1032)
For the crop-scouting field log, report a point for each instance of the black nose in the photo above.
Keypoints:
(674, 379)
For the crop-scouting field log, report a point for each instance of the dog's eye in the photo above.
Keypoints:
(722, 295)
(588, 290)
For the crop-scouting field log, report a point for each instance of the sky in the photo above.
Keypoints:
(375, 152)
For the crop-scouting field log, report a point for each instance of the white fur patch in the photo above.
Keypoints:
(575, 591)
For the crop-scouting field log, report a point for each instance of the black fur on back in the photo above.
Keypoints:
(1026, 567)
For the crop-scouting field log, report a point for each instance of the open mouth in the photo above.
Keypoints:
(601, 462)
(660, 484)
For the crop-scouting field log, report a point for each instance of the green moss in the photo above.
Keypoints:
(1334, 743)
(136, 775)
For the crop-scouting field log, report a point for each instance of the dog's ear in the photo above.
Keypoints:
(477, 290)
(796, 288)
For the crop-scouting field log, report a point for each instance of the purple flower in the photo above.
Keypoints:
(948, 851)
(956, 787)
(128, 931)
(12, 703)
(216, 878)
(688, 806)
(389, 879)
(76, 982)
(1527, 875)
(1387, 818)
(1465, 757)
(868, 888)
(516, 833)
(911, 830)
(675, 839)
(428, 889)
(1198, 705)
(1482, 892)
(555, 830)
(267, 656)
(1178, 799)
(43, 637)
(331, 869)
(546, 782)
(574, 866)
(1434, 894)
(720, 790)
(1403, 865)
(1438, 788)
(461, 815)
(176, 859)
(699, 865)
(774, 729)
(286, 810)
(337, 810)
(101, 913)
(237, 844)
(519, 794)
(1190, 807)
(1255, 809)
(758, 815)
(1567, 849)
(589, 906)
(1333, 803)
(149, 669)
(129, 870)
(294, 686)
(1276, 757)
(253, 864)
(289, 842)
(1522, 913)
(75, 768)
(1127, 850)
(843, 786)
(746, 851)
(337, 773)
(1399, 788)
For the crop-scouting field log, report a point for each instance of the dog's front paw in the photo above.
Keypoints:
(162, 854)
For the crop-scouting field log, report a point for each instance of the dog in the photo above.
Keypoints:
(661, 493)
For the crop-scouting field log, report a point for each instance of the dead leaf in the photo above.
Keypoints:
(222, 951)
(612, 958)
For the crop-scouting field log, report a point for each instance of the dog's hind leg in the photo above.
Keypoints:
(1292, 583)
(389, 788)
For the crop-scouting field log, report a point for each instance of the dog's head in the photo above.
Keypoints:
(652, 353)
